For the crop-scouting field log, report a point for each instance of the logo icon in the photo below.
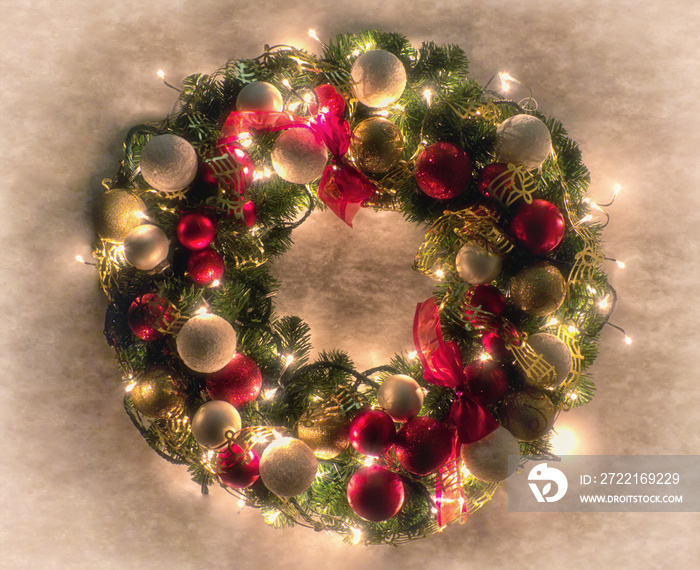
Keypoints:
(547, 475)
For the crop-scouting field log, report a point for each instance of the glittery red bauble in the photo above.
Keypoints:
(443, 171)
(140, 317)
(486, 298)
(237, 383)
(486, 380)
(329, 101)
(206, 266)
(375, 493)
(246, 213)
(237, 468)
(423, 445)
(195, 231)
(493, 183)
(538, 226)
(495, 346)
(372, 432)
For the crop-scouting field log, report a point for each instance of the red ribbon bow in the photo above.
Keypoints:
(342, 188)
(442, 362)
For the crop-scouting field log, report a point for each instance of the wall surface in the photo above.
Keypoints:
(81, 489)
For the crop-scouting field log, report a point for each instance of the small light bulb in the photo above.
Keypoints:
(314, 35)
(551, 322)
(356, 52)
(269, 394)
(241, 503)
(286, 83)
(161, 74)
(428, 94)
(141, 215)
(620, 264)
(616, 190)
(572, 329)
(413, 355)
(604, 303)
(573, 396)
(628, 340)
(586, 218)
(439, 273)
(356, 535)
(215, 283)
(506, 79)
(201, 311)
(288, 359)
(383, 113)
(484, 356)
(294, 106)
(80, 259)
(266, 172)
(130, 386)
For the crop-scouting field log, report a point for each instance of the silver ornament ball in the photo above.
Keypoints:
(146, 246)
(298, 157)
(556, 353)
(487, 458)
(214, 422)
(259, 96)
(478, 263)
(288, 467)
(379, 78)
(523, 139)
(401, 397)
(168, 163)
(206, 343)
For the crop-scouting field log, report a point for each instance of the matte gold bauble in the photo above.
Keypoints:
(156, 393)
(376, 145)
(401, 397)
(528, 415)
(288, 467)
(326, 433)
(538, 289)
(117, 212)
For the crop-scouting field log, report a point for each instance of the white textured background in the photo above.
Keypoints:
(80, 488)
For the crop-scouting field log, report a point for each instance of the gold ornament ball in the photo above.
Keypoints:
(376, 145)
(206, 343)
(146, 246)
(117, 212)
(213, 422)
(487, 458)
(401, 397)
(379, 78)
(327, 436)
(555, 352)
(298, 157)
(528, 415)
(156, 393)
(288, 467)
(259, 96)
(538, 290)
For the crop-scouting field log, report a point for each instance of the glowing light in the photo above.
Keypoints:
(413, 355)
(239, 153)
(241, 503)
(246, 139)
(356, 52)
(586, 218)
(628, 340)
(428, 94)
(266, 172)
(80, 259)
(294, 106)
(201, 311)
(616, 190)
(288, 359)
(506, 80)
(270, 518)
(383, 113)
(564, 441)
(591, 289)
(257, 175)
(141, 215)
(552, 322)
(604, 303)
(130, 386)
(572, 329)
(308, 98)
(439, 273)
(484, 356)
(368, 45)
(313, 35)
(215, 283)
(161, 73)
(356, 535)
(573, 397)
(269, 394)
(286, 83)
(620, 264)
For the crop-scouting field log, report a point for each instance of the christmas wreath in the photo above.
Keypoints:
(217, 381)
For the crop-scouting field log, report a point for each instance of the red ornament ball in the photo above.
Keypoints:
(329, 101)
(237, 468)
(237, 383)
(195, 231)
(538, 226)
(205, 266)
(423, 445)
(486, 380)
(372, 432)
(140, 316)
(495, 346)
(483, 304)
(493, 182)
(443, 171)
(245, 212)
(375, 493)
